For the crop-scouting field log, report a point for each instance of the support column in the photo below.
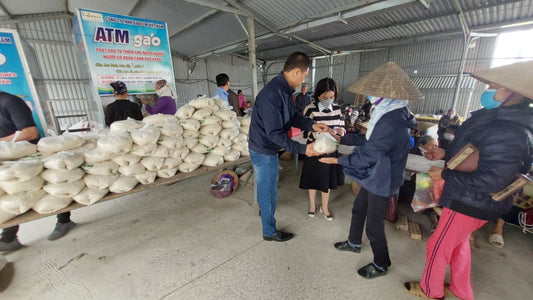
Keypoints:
(251, 54)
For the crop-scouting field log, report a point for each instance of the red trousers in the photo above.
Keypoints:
(450, 245)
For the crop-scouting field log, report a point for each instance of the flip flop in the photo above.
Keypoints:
(415, 289)
(448, 292)
(496, 240)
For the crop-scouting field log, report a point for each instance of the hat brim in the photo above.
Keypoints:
(515, 77)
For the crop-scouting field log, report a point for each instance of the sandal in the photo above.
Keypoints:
(448, 292)
(496, 240)
(415, 289)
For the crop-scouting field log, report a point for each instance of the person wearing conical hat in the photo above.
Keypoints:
(503, 135)
(378, 160)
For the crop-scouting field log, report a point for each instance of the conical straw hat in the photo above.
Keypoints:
(516, 77)
(387, 81)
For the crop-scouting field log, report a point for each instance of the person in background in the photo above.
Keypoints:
(503, 136)
(165, 103)
(15, 116)
(449, 119)
(233, 101)
(121, 108)
(274, 114)
(222, 87)
(378, 160)
(317, 176)
(366, 108)
(302, 99)
(242, 100)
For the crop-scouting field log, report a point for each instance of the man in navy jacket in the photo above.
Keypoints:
(273, 115)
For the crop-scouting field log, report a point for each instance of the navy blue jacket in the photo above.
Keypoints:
(272, 118)
(379, 163)
(503, 137)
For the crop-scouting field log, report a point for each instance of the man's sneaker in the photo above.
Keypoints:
(60, 230)
(11, 246)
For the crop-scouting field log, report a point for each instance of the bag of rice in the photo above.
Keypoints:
(171, 163)
(152, 163)
(90, 196)
(188, 167)
(229, 133)
(59, 143)
(195, 158)
(190, 124)
(161, 151)
(99, 182)
(199, 148)
(210, 130)
(98, 155)
(221, 103)
(69, 189)
(201, 114)
(16, 150)
(234, 123)
(180, 153)
(209, 141)
(245, 121)
(325, 143)
(222, 142)
(131, 169)
(168, 141)
(65, 160)
(85, 147)
(20, 170)
(146, 150)
(244, 129)
(146, 177)
(21, 202)
(240, 146)
(146, 135)
(119, 143)
(125, 125)
(126, 160)
(221, 151)
(62, 176)
(101, 168)
(4, 217)
(241, 138)
(170, 128)
(123, 184)
(202, 102)
(185, 112)
(14, 187)
(167, 173)
(226, 115)
(246, 152)
(212, 120)
(158, 118)
(190, 133)
(49, 204)
(213, 160)
(190, 142)
(233, 155)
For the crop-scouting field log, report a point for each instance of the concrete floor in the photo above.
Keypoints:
(179, 242)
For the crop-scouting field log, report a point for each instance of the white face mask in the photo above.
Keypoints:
(448, 136)
(327, 102)
(353, 119)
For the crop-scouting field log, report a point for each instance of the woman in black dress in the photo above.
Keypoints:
(317, 176)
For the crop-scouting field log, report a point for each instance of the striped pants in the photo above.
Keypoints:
(450, 245)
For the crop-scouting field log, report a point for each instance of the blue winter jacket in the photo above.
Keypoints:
(379, 163)
(503, 136)
(273, 116)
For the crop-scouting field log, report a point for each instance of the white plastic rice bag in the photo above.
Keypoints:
(21, 202)
(31, 185)
(123, 184)
(59, 143)
(170, 128)
(325, 143)
(213, 160)
(202, 102)
(180, 153)
(20, 170)
(240, 146)
(188, 167)
(126, 160)
(171, 163)
(16, 150)
(244, 129)
(65, 160)
(221, 151)
(210, 130)
(107, 167)
(185, 112)
(99, 182)
(222, 142)
(195, 158)
(245, 121)
(168, 141)
(226, 115)
(159, 118)
(241, 138)
(90, 196)
(152, 163)
(4, 217)
(146, 177)
(69, 189)
(209, 141)
(119, 143)
(234, 123)
(212, 120)
(201, 114)
(62, 176)
(220, 103)
(125, 125)
(246, 152)
(162, 151)
(131, 169)
(167, 173)
(98, 155)
(89, 145)
(190, 124)
(179, 142)
(229, 133)
(190, 142)
(146, 135)
(190, 133)
(36, 156)
(233, 155)
(49, 204)
(199, 148)
(146, 150)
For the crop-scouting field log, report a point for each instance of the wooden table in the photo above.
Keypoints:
(33, 215)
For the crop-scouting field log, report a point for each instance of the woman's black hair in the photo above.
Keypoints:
(324, 85)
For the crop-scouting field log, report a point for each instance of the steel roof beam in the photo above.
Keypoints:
(218, 7)
(134, 7)
(193, 23)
